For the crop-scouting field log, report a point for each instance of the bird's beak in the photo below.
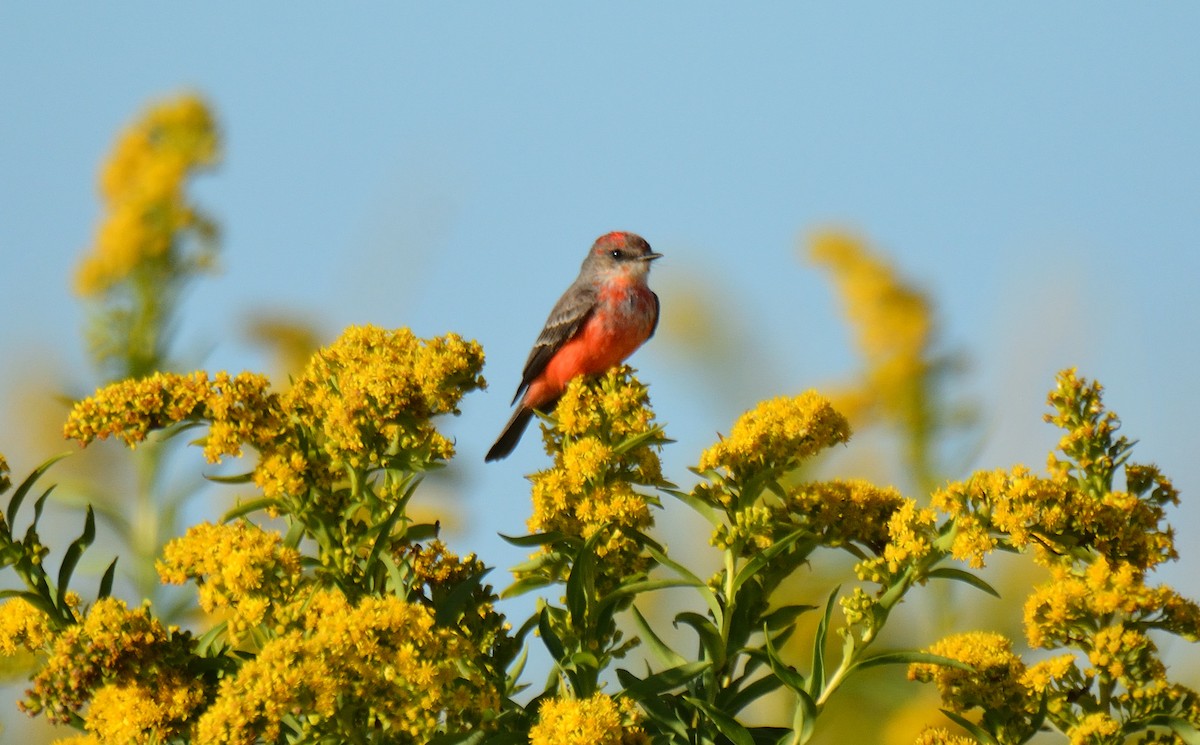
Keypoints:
(650, 257)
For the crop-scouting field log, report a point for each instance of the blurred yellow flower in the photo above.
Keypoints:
(142, 188)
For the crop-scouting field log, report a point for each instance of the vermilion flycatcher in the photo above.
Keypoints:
(605, 315)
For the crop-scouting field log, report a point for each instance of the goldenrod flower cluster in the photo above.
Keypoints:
(373, 392)
(380, 664)
(142, 186)
(1099, 543)
(238, 409)
(22, 626)
(590, 487)
(128, 677)
(238, 567)
(776, 436)
(995, 684)
(363, 402)
(599, 720)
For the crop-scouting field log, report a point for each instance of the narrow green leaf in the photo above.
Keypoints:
(804, 720)
(73, 553)
(816, 683)
(245, 508)
(581, 585)
(106, 582)
(384, 530)
(979, 733)
(724, 723)
(422, 532)
(710, 599)
(704, 509)
(455, 602)
(907, 658)
(661, 682)
(785, 616)
(710, 635)
(537, 539)
(14, 502)
(665, 716)
(765, 556)
(786, 674)
(524, 585)
(553, 643)
(237, 478)
(736, 698)
(669, 657)
(636, 588)
(959, 575)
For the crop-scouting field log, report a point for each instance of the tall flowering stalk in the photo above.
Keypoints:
(355, 625)
(1098, 542)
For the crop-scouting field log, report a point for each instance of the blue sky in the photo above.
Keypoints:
(1036, 168)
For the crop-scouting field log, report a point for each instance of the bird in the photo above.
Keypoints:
(603, 317)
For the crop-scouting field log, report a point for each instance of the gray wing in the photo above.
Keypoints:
(568, 315)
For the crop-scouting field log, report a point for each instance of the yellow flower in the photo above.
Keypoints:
(374, 391)
(842, 512)
(22, 626)
(777, 434)
(142, 188)
(995, 685)
(1093, 729)
(113, 645)
(910, 537)
(134, 713)
(237, 566)
(598, 720)
(382, 663)
(940, 736)
(239, 409)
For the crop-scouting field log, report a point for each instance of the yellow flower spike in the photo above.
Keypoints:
(142, 187)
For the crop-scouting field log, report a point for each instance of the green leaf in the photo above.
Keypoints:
(581, 585)
(661, 682)
(710, 635)
(764, 557)
(636, 588)
(538, 539)
(14, 502)
(736, 698)
(669, 656)
(724, 723)
(979, 733)
(106, 582)
(524, 585)
(553, 643)
(73, 553)
(666, 717)
(804, 720)
(786, 674)
(907, 658)
(422, 532)
(710, 599)
(704, 509)
(816, 683)
(245, 508)
(785, 616)
(384, 530)
(451, 607)
(962, 576)
(237, 478)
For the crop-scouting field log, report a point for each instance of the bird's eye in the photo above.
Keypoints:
(616, 254)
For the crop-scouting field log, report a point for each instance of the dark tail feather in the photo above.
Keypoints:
(511, 435)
